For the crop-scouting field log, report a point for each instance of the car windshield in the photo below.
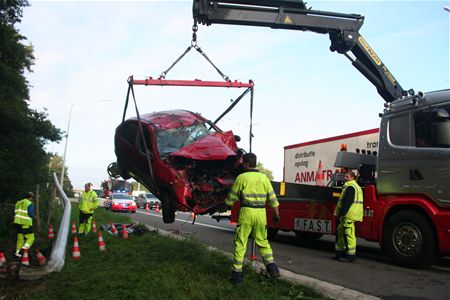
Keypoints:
(149, 195)
(121, 197)
(170, 140)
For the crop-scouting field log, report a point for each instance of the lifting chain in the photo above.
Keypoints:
(199, 50)
(194, 34)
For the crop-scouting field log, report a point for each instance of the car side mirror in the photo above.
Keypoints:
(237, 138)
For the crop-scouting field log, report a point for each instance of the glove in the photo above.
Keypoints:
(276, 219)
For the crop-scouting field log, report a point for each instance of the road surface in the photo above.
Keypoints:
(372, 273)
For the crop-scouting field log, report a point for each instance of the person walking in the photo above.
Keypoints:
(254, 190)
(88, 203)
(349, 209)
(23, 223)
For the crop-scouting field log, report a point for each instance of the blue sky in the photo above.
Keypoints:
(86, 50)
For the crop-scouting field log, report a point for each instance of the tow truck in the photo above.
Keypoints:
(406, 185)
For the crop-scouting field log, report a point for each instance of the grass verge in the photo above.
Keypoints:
(148, 266)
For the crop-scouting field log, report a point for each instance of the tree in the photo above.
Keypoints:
(55, 166)
(23, 131)
(269, 173)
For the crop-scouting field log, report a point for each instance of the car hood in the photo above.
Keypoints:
(218, 146)
(121, 201)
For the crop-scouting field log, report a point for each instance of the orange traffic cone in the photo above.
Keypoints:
(74, 229)
(319, 175)
(76, 249)
(113, 229)
(125, 232)
(25, 260)
(41, 258)
(157, 208)
(146, 207)
(2, 260)
(101, 243)
(51, 234)
(94, 227)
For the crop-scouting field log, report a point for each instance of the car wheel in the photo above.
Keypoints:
(410, 240)
(114, 170)
(168, 208)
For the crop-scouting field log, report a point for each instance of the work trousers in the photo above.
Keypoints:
(252, 221)
(25, 237)
(346, 238)
(85, 221)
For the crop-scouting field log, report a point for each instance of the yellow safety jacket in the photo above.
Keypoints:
(21, 213)
(89, 202)
(355, 212)
(253, 189)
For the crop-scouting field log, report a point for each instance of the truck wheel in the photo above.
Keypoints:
(168, 209)
(308, 236)
(271, 233)
(409, 239)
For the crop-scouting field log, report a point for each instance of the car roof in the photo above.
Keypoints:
(171, 118)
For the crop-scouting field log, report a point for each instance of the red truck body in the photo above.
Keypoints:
(315, 216)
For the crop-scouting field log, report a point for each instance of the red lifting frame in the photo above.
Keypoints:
(196, 82)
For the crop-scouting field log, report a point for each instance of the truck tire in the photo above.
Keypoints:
(308, 236)
(409, 239)
(168, 208)
(271, 233)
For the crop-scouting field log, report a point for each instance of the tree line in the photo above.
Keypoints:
(24, 131)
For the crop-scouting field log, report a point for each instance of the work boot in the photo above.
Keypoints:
(273, 271)
(236, 277)
(347, 258)
(340, 255)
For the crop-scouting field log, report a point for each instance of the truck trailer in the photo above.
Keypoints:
(312, 162)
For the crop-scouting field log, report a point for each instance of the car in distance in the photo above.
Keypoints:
(183, 159)
(122, 202)
(147, 198)
(100, 193)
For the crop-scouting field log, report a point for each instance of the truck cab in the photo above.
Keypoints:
(414, 156)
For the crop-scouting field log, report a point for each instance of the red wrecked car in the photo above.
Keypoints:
(184, 159)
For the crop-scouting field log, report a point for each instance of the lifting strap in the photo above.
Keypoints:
(141, 132)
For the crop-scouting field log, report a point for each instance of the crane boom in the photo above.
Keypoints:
(343, 30)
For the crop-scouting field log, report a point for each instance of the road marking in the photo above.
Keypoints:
(196, 223)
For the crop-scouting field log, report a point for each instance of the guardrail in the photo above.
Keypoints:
(58, 253)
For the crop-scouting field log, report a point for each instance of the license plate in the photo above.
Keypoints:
(312, 225)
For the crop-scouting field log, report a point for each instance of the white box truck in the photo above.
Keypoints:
(312, 162)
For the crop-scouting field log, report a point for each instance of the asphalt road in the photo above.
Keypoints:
(372, 273)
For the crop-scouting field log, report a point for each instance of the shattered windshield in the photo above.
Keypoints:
(170, 140)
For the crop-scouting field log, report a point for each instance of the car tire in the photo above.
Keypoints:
(168, 208)
(409, 239)
(124, 173)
